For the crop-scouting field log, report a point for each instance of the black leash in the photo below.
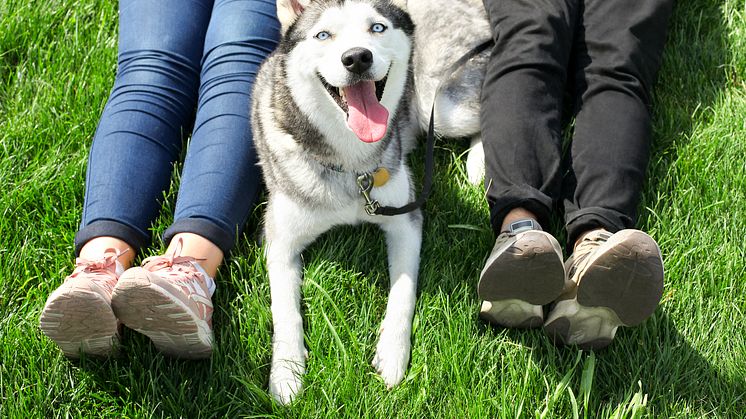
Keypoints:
(365, 181)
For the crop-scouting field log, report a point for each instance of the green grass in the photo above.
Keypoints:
(57, 63)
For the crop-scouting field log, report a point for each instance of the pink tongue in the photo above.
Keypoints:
(367, 118)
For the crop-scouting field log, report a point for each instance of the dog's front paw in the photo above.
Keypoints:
(285, 381)
(475, 164)
(392, 357)
(285, 378)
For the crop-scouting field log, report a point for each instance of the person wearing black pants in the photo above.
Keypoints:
(605, 55)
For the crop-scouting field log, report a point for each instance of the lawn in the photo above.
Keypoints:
(57, 64)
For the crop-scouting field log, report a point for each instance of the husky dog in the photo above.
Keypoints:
(331, 112)
(337, 103)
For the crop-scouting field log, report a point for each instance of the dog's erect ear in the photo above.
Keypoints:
(289, 10)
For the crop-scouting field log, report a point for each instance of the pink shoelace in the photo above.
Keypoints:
(101, 271)
(181, 271)
(173, 266)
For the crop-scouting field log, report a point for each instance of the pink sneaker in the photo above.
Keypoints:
(78, 315)
(168, 299)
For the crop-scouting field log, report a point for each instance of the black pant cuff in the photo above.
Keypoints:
(135, 238)
(538, 208)
(219, 236)
(587, 219)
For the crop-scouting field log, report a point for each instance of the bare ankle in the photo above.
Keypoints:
(208, 255)
(95, 248)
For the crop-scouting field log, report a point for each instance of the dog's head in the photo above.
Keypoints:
(352, 56)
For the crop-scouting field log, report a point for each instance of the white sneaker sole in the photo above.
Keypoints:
(587, 327)
(512, 313)
(153, 311)
(80, 321)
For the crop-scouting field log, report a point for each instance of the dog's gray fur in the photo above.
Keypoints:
(272, 94)
(331, 187)
(445, 31)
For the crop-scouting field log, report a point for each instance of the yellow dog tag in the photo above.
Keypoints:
(380, 177)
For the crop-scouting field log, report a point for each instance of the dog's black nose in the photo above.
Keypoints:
(357, 60)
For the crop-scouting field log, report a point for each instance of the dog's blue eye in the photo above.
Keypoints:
(323, 35)
(378, 28)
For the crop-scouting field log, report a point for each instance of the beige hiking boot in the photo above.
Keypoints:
(168, 299)
(613, 280)
(524, 272)
(78, 315)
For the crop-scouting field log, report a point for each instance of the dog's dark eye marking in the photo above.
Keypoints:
(323, 36)
(378, 27)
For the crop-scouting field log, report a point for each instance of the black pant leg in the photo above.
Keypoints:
(521, 104)
(615, 62)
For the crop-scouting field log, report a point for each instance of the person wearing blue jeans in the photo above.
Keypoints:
(175, 56)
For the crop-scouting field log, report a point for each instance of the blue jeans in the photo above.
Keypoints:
(175, 55)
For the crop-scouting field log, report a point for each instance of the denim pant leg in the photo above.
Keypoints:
(220, 180)
(521, 104)
(140, 132)
(616, 60)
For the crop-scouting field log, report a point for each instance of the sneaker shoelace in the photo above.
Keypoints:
(179, 270)
(173, 265)
(584, 249)
(100, 271)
